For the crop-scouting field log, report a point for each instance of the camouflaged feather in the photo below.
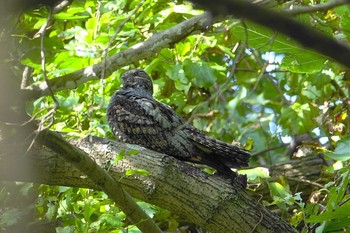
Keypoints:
(136, 117)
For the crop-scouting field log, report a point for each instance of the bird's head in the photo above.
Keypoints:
(137, 78)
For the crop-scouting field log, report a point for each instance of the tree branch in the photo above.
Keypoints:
(135, 53)
(306, 36)
(314, 8)
(101, 178)
(302, 175)
(207, 201)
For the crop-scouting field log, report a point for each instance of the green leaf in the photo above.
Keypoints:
(310, 91)
(336, 215)
(112, 220)
(148, 208)
(344, 16)
(183, 48)
(336, 194)
(302, 62)
(139, 172)
(296, 59)
(120, 156)
(240, 95)
(342, 150)
(277, 190)
(51, 211)
(64, 16)
(199, 73)
(341, 213)
(299, 118)
(257, 172)
(133, 152)
(177, 74)
(72, 13)
(89, 209)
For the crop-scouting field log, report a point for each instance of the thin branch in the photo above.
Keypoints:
(51, 114)
(120, 27)
(43, 57)
(314, 8)
(338, 88)
(27, 72)
(143, 50)
(308, 37)
(307, 181)
(61, 6)
(111, 40)
(100, 177)
(257, 224)
(270, 149)
(264, 66)
(279, 90)
(343, 202)
(239, 56)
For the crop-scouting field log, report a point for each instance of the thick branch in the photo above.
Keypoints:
(101, 178)
(306, 36)
(135, 53)
(207, 201)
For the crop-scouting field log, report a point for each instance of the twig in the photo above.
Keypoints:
(25, 77)
(314, 8)
(343, 202)
(269, 149)
(265, 64)
(139, 51)
(338, 88)
(257, 224)
(282, 23)
(112, 39)
(61, 6)
(42, 32)
(306, 181)
(240, 54)
(51, 114)
(117, 31)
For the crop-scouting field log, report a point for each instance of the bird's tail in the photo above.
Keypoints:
(216, 151)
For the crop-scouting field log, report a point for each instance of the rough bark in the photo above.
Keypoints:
(84, 163)
(204, 200)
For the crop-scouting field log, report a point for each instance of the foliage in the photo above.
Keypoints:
(237, 82)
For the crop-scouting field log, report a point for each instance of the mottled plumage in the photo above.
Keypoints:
(136, 117)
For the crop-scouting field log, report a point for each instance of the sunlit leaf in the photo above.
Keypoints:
(256, 172)
(296, 59)
(139, 172)
(342, 150)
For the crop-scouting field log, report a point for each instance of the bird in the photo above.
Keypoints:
(136, 117)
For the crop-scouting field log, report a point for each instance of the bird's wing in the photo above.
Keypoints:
(162, 114)
(149, 123)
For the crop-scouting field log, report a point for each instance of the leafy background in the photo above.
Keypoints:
(237, 82)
